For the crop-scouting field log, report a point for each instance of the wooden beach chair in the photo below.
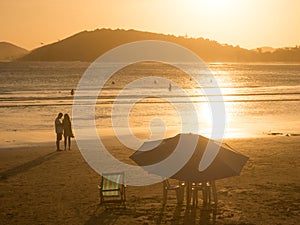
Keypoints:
(209, 194)
(112, 189)
(178, 188)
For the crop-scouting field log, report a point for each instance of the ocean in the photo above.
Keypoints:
(259, 99)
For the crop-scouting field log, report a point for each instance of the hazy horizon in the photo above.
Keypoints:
(44, 44)
(250, 23)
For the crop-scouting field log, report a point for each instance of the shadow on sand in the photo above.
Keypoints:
(108, 216)
(26, 166)
(179, 214)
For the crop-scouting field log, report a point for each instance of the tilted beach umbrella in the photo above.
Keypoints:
(227, 162)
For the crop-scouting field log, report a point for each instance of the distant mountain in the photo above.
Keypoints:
(88, 45)
(10, 52)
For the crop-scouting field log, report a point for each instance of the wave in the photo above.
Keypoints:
(130, 96)
(38, 104)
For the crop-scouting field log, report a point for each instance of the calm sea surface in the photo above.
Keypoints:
(258, 98)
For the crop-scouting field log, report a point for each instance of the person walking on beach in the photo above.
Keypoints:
(59, 130)
(67, 131)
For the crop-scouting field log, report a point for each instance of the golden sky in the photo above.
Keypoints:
(248, 23)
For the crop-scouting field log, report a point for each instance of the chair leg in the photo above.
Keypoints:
(124, 197)
(165, 193)
(209, 194)
(195, 197)
(214, 193)
(101, 199)
(204, 194)
(179, 195)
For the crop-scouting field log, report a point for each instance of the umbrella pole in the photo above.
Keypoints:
(188, 193)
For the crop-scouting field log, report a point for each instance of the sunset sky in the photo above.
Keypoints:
(248, 23)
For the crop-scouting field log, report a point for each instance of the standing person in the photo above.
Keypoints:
(59, 130)
(67, 131)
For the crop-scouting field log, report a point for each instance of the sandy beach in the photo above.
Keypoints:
(211, 87)
(41, 186)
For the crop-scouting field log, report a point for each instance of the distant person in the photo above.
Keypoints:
(72, 92)
(68, 134)
(170, 87)
(59, 130)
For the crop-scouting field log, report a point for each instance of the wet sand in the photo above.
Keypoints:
(41, 186)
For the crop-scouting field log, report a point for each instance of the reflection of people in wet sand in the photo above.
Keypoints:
(59, 130)
(67, 127)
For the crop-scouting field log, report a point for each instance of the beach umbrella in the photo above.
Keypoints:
(226, 163)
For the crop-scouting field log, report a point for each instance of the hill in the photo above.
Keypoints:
(10, 52)
(88, 45)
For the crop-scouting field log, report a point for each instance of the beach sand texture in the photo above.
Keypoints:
(41, 186)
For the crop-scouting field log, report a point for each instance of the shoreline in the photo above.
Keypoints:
(6, 140)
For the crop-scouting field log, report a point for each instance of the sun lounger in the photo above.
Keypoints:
(112, 189)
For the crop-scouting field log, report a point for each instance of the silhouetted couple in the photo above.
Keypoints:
(63, 127)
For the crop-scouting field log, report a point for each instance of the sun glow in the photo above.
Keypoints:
(213, 6)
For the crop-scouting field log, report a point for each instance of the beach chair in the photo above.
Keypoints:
(112, 189)
(203, 187)
(178, 188)
(209, 193)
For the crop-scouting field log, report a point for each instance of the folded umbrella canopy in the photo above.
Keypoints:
(226, 162)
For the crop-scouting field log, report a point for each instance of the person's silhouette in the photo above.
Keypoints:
(67, 131)
(59, 130)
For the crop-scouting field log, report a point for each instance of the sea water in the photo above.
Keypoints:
(259, 99)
